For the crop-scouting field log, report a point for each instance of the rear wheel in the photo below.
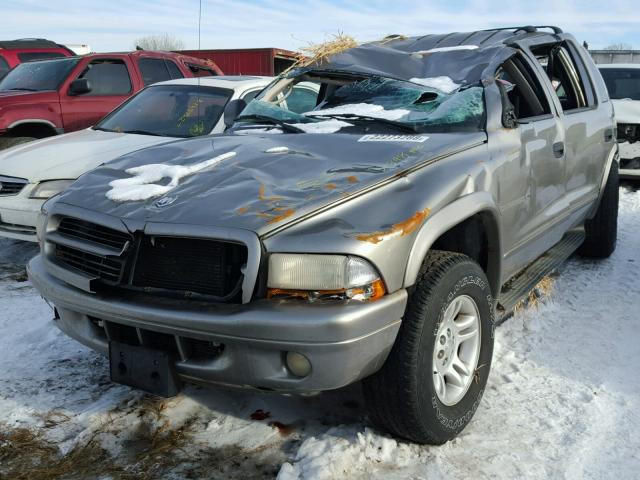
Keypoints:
(602, 230)
(433, 380)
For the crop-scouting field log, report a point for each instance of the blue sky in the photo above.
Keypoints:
(115, 24)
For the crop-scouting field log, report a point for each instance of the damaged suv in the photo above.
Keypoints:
(374, 228)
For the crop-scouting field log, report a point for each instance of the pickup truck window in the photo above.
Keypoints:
(31, 56)
(156, 70)
(169, 111)
(38, 76)
(622, 83)
(4, 67)
(107, 77)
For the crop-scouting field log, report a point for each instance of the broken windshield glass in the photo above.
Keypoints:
(418, 106)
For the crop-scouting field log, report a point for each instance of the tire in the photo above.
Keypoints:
(9, 142)
(602, 230)
(402, 397)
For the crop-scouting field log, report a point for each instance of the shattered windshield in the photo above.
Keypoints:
(334, 102)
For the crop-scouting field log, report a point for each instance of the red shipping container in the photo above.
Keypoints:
(248, 61)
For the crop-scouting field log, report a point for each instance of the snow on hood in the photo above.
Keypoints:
(142, 185)
(69, 156)
(238, 185)
(627, 111)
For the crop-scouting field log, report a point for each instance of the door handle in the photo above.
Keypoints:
(558, 149)
(608, 134)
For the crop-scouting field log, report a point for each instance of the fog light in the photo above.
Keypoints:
(298, 364)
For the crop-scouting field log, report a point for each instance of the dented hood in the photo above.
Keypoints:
(270, 181)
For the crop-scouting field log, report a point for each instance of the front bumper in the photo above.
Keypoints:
(629, 160)
(344, 342)
(19, 215)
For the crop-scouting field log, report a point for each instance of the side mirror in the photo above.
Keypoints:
(232, 110)
(79, 86)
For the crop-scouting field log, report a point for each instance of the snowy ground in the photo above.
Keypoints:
(563, 399)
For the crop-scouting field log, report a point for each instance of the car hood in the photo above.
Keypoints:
(70, 155)
(627, 111)
(265, 181)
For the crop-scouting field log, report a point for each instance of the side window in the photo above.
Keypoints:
(4, 67)
(523, 90)
(200, 71)
(153, 70)
(107, 77)
(566, 76)
(174, 71)
(31, 56)
(302, 99)
(247, 97)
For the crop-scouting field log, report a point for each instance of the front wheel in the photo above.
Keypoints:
(433, 380)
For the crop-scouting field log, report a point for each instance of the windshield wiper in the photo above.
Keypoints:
(144, 132)
(23, 89)
(264, 118)
(354, 116)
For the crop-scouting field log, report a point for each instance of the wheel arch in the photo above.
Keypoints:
(31, 127)
(474, 214)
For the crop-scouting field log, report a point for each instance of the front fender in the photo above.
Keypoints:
(449, 216)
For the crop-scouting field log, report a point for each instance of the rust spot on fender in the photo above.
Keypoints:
(242, 210)
(352, 179)
(400, 229)
(330, 186)
(282, 216)
(262, 195)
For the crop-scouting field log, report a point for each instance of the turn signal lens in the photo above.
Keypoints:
(367, 293)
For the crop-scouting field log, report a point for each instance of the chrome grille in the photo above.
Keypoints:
(11, 185)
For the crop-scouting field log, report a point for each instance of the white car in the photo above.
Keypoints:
(33, 172)
(623, 83)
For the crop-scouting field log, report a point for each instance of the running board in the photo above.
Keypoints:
(525, 281)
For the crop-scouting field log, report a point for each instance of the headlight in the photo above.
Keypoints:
(43, 214)
(322, 277)
(49, 188)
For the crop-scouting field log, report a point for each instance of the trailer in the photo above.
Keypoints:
(248, 61)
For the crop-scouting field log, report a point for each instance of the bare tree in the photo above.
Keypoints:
(163, 41)
(619, 46)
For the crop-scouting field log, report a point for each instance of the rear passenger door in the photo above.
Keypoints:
(532, 178)
(111, 84)
(589, 134)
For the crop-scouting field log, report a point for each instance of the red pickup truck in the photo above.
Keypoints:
(44, 98)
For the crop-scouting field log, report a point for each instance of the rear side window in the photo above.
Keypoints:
(302, 99)
(107, 77)
(4, 67)
(567, 74)
(156, 70)
(174, 71)
(31, 56)
(200, 71)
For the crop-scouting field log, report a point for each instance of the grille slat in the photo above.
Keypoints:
(81, 230)
(207, 267)
(94, 265)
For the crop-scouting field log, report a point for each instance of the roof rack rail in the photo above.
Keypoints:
(528, 28)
